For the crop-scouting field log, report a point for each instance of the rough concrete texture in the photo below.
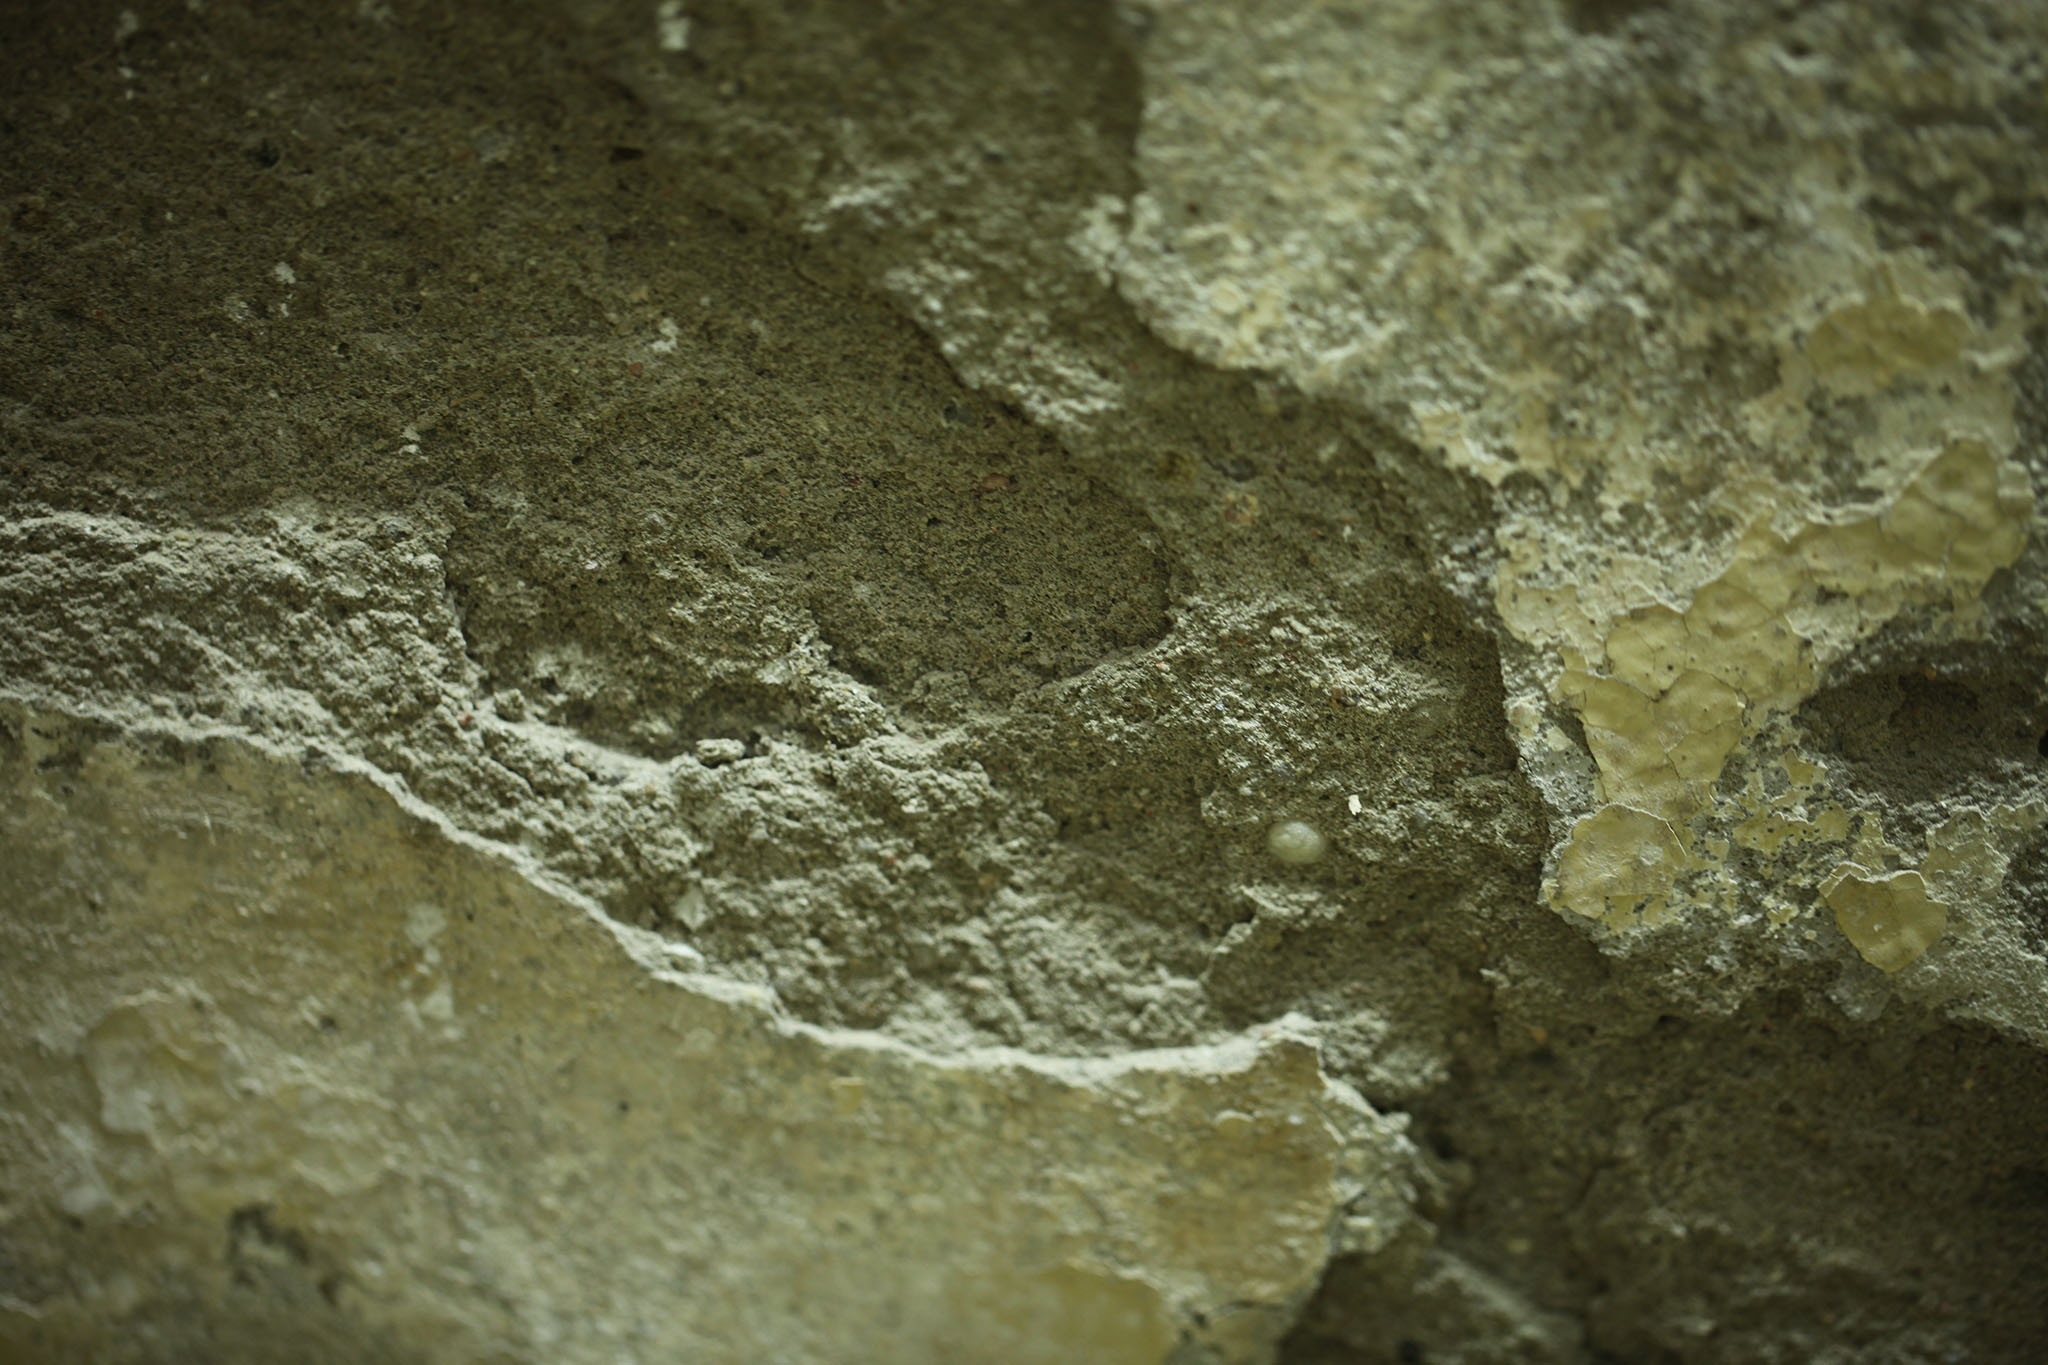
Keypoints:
(657, 661)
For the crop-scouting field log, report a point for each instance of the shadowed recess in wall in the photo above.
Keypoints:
(1951, 736)
(779, 501)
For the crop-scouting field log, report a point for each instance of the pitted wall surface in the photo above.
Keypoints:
(1133, 682)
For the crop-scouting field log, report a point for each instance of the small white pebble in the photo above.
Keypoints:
(1296, 842)
(673, 26)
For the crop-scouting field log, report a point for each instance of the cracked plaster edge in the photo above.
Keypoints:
(678, 965)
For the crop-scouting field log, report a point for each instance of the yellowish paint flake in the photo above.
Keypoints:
(1669, 695)
(1659, 753)
(1799, 770)
(1861, 347)
(1619, 866)
(1891, 919)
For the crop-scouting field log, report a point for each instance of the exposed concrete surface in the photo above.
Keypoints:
(1180, 681)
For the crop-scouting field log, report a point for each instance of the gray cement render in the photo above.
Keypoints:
(655, 659)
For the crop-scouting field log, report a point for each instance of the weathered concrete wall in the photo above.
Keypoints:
(649, 655)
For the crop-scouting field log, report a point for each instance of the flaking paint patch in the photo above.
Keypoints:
(1796, 819)
(1762, 435)
(1619, 866)
(1675, 691)
(1891, 919)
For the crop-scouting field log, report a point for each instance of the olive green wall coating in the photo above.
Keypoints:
(661, 667)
